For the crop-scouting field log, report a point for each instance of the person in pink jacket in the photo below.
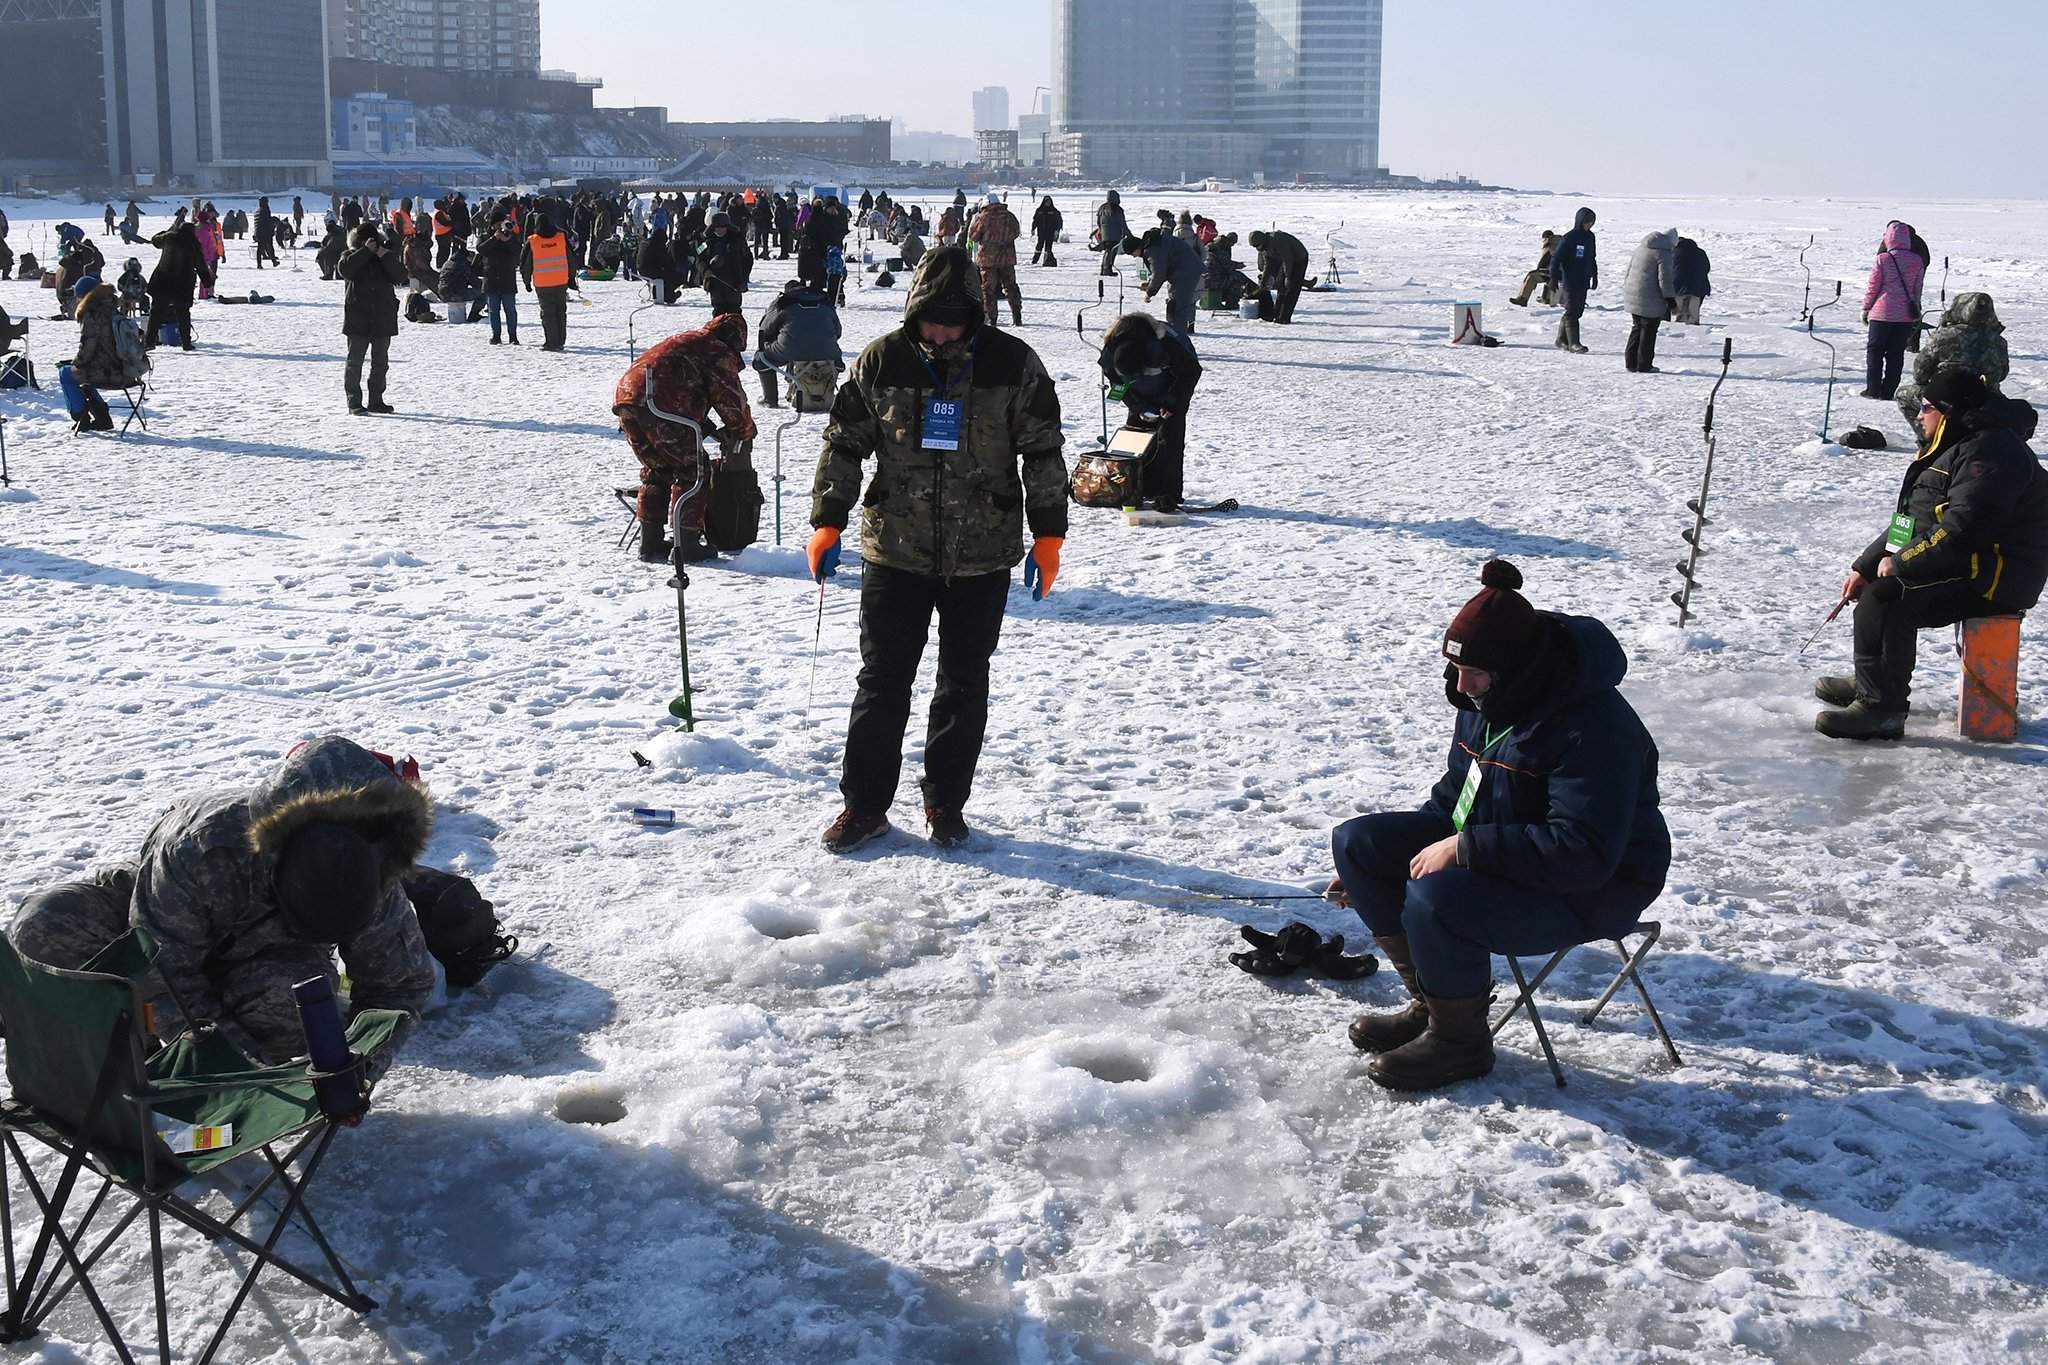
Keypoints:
(211, 243)
(1891, 308)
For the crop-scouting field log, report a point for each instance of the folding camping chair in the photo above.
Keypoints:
(85, 1083)
(1649, 931)
(136, 397)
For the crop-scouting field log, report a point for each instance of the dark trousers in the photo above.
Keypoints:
(895, 619)
(1457, 919)
(1884, 355)
(1182, 292)
(1109, 250)
(266, 249)
(506, 307)
(1043, 254)
(761, 241)
(1642, 343)
(1888, 634)
(554, 315)
(1573, 298)
(441, 247)
(723, 299)
(1165, 463)
(378, 349)
(1285, 296)
(810, 266)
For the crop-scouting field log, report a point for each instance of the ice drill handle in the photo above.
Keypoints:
(341, 1095)
(1727, 350)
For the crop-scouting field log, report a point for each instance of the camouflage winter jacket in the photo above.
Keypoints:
(945, 513)
(995, 231)
(1971, 338)
(204, 889)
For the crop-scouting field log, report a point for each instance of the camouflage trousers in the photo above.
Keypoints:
(67, 924)
(998, 283)
(668, 466)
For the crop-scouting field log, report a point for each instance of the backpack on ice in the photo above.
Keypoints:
(461, 927)
(1114, 477)
(732, 507)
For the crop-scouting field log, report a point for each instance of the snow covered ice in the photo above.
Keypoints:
(739, 1101)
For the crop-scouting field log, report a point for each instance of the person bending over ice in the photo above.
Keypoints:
(247, 892)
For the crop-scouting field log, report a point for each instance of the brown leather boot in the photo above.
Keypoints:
(1456, 1047)
(1385, 1032)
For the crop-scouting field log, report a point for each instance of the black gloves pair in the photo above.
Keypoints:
(1298, 947)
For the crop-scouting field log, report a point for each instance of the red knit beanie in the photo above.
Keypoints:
(1496, 630)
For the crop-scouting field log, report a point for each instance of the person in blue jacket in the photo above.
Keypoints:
(1543, 832)
(1574, 272)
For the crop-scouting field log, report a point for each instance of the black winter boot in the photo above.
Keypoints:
(654, 546)
(1457, 1046)
(1385, 1032)
(770, 393)
(1861, 720)
(1835, 690)
(693, 548)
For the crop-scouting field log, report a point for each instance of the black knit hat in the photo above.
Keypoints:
(329, 883)
(1956, 390)
(1497, 629)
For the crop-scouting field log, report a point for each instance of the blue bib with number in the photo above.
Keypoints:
(942, 424)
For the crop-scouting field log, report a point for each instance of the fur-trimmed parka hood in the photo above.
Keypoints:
(337, 781)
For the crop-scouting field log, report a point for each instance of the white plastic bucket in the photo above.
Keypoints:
(1465, 328)
(1249, 310)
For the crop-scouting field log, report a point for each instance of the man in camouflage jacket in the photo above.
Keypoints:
(994, 232)
(248, 892)
(964, 427)
(693, 375)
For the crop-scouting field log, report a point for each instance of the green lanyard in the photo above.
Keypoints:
(1473, 774)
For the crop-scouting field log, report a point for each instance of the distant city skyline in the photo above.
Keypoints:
(1838, 97)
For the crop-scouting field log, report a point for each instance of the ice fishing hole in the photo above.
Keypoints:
(778, 923)
(1109, 1066)
(594, 1107)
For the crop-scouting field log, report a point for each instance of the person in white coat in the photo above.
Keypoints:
(1648, 290)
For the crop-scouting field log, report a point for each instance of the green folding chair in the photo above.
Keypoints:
(86, 1079)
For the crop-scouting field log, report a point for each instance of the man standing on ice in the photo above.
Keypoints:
(964, 425)
(1544, 832)
(1574, 272)
(1968, 538)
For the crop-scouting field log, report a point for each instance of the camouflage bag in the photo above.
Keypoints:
(1101, 479)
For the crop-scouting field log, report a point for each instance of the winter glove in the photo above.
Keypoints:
(1887, 589)
(823, 553)
(1043, 566)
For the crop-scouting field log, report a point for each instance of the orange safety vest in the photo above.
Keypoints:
(550, 261)
(442, 227)
(403, 221)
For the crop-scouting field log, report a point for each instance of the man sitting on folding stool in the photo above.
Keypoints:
(1968, 538)
(1543, 833)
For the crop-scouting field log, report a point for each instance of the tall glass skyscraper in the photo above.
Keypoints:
(1218, 87)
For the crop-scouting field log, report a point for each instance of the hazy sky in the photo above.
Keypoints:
(1851, 97)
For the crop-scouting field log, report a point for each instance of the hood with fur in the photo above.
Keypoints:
(337, 781)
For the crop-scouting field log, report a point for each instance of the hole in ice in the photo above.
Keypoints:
(1110, 1066)
(781, 922)
(594, 1107)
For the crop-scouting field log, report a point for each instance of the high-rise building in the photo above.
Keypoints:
(479, 37)
(1233, 87)
(991, 108)
(216, 94)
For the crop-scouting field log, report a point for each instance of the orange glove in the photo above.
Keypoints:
(1043, 566)
(823, 553)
